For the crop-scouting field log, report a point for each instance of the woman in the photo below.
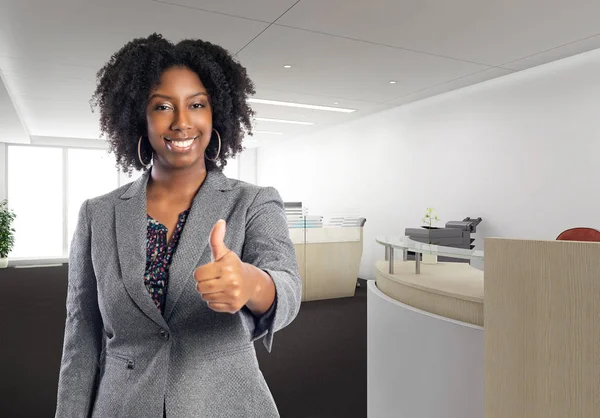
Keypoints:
(172, 277)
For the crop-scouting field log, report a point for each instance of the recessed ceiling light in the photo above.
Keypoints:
(294, 122)
(268, 133)
(287, 66)
(336, 103)
(393, 82)
(301, 105)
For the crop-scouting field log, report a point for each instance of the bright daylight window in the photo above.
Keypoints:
(35, 194)
(90, 173)
(38, 191)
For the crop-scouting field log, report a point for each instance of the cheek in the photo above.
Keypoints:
(204, 123)
(203, 119)
(204, 141)
(155, 123)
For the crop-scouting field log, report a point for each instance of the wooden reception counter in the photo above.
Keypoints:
(425, 335)
(427, 350)
(451, 290)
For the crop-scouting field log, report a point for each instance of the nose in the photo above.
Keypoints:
(181, 121)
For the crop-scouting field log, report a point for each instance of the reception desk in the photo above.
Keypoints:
(540, 307)
(451, 290)
(425, 344)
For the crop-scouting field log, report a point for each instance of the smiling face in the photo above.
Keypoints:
(179, 119)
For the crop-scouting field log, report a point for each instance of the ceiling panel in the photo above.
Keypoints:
(452, 85)
(63, 90)
(487, 32)
(38, 29)
(52, 105)
(50, 51)
(321, 118)
(263, 10)
(336, 67)
(31, 68)
(317, 117)
(320, 100)
(555, 54)
(288, 131)
(11, 128)
(44, 117)
(50, 67)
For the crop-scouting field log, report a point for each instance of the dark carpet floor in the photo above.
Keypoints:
(318, 365)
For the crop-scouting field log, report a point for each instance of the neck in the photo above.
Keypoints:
(182, 183)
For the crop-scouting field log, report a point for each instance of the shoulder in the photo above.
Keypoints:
(111, 196)
(253, 193)
(107, 201)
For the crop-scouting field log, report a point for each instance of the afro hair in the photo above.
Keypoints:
(125, 82)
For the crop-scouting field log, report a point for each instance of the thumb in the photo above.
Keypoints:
(216, 241)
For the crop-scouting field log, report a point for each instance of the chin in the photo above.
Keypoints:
(184, 162)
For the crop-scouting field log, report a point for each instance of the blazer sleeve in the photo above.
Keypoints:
(83, 328)
(268, 246)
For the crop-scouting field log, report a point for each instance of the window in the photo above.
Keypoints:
(35, 194)
(231, 170)
(90, 173)
(46, 187)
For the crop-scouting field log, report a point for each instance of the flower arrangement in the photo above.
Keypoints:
(428, 219)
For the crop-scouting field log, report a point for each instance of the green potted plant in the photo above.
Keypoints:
(7, 237)
(429, 218)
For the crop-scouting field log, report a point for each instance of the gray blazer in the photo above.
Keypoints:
(122, 358)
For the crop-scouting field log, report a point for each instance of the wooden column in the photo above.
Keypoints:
(542, 329)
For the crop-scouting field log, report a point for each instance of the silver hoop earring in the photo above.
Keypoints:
(140, 153)
(214, 160)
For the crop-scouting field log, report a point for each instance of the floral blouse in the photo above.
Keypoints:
(159, 254)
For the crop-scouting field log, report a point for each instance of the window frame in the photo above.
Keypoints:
(64, 187)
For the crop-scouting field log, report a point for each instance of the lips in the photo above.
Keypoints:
(179, 144)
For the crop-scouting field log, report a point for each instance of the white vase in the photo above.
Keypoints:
(429, 258)
(3, 262)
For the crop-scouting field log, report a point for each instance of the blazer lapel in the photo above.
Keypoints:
(207, 208)
(131, 231)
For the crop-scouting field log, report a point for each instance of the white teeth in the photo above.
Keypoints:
(182, 144)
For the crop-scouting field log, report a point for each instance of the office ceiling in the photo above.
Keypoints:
(343, 53)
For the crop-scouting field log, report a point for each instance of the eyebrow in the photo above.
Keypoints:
(170, 98)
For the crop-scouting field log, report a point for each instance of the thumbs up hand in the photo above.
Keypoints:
(224, 283)
(217, 241)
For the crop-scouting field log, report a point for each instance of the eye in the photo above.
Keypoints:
(197, 105)
(162, 107)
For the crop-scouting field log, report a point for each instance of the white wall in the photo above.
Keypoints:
(247, 165)
(521, 151)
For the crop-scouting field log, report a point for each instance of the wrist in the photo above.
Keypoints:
(255, 281)
(262, 290)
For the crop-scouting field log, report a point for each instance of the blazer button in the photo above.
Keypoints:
(164, 334)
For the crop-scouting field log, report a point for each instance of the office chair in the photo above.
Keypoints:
(580, 234)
